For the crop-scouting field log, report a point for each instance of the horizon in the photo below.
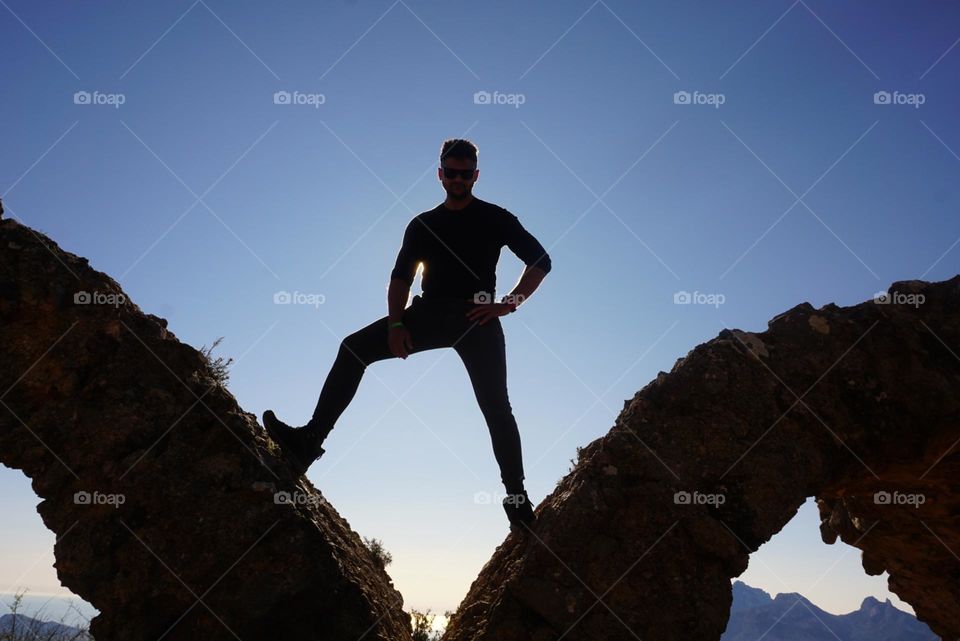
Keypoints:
(69, 599)
(210, 155)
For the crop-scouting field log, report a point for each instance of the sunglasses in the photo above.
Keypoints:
(450, 174)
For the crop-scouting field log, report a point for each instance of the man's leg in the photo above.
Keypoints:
(483, 352)
(363, 347)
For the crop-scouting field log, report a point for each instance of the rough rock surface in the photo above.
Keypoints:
(836, 403)
(184, 530)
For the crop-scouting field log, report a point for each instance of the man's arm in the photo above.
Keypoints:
(530, 279)
(537, 261)
(397, 295)
(528, 249)
(401, 278)
(404, 271)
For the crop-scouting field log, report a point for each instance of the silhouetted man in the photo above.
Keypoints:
(458, 243)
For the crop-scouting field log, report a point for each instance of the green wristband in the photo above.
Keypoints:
(397, 324)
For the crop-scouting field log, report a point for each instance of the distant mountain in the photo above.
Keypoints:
(30, 629)
(746, 597)
(791, 617)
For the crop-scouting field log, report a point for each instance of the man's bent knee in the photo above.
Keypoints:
(364, 348)
(352, 348)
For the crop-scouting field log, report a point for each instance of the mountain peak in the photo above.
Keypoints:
(872, 601)
(746, 596)
(790, 597)
(779, 619)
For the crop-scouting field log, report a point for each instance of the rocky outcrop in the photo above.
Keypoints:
(174, 515)
(857, 406)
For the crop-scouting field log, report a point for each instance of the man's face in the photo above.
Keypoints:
(457, 187)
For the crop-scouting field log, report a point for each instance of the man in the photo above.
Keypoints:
(458, 244)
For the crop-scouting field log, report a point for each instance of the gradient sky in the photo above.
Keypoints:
(203, 198)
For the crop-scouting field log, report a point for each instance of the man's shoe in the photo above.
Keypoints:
(300, 446)
(519, 511)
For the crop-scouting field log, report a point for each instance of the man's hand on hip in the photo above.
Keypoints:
(483, 312)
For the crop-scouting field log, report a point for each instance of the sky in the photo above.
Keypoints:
(210, 154)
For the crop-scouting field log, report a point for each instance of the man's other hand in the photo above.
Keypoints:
(483, 312)
(400, 341)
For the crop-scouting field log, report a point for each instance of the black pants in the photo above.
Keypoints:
(435, 324)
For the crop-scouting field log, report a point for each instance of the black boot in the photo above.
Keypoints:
(519, 511)
(300, 445)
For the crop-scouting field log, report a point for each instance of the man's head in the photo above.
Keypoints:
(458, 158)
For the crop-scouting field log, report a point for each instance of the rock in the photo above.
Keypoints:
(857, 406)
(174, 515)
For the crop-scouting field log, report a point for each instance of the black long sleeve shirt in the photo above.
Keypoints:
(460, 248)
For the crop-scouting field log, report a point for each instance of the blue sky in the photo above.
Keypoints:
(148, 138)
